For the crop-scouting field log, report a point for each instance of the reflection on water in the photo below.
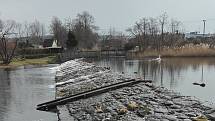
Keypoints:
(177, 74)
(22, 89)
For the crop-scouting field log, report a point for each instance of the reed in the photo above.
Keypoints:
(195, 51)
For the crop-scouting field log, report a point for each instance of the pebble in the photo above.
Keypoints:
(173, 106)
(161, 110)
(170, 117)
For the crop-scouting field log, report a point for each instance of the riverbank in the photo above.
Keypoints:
(186, 51)
(37, 61)
(142, 101)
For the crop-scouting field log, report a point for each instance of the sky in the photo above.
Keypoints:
(118, 14)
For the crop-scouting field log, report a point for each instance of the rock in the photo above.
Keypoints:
(161, 110)
(182, 116)
(191, 114)
(153, 119)
(200, 118)
(98, 109)
(170, 117)
(168, 103)
(164, 120)
(187, 120)
(132, 105)
(175, 106)
(158, 115)
(211, 116)
(210, 111)
(142, 111)
(180, 110)
(122, 111)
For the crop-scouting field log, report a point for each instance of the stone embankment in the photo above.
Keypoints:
(139, 102)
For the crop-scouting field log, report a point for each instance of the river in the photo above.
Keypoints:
(21, 89)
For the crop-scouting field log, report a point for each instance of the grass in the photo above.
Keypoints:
(38, 61)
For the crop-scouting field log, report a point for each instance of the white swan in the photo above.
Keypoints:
(157, 59)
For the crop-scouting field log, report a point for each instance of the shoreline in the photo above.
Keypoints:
(174, 52)
(37, 61)
(142, 101)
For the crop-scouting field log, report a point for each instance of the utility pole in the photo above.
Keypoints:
(204, 39)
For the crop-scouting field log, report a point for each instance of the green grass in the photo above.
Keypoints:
(37, 61)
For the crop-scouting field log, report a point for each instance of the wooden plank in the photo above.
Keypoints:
(47, 106)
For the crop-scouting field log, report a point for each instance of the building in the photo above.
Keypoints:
(197, 35)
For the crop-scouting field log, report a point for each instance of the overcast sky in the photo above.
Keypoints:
(120, 14)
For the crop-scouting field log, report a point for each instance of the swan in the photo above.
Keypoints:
(157, 59)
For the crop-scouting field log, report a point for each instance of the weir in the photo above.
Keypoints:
(88, 92)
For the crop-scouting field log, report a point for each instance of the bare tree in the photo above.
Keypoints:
(175, 35)
(175, 24)
(68, 23)
(139, 30)
(153, 31)
(85, 30)
(59, 31)
(163, 22)
(8, 41)
(37, 31)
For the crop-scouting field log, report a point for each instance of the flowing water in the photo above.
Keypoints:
(21, 89)
(176, 74)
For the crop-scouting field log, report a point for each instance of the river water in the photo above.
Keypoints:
(176, 74)
(21, 89)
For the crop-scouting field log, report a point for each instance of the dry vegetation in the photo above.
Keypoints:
(185, 51)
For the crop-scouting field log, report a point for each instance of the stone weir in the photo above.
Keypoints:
(140, 101)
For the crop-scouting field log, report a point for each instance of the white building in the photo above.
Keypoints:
(197, 35)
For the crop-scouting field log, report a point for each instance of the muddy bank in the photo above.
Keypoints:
(138, 102)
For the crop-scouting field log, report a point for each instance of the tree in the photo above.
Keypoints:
(84, 30)
(71, 41)
(8, 42)
(139, 30)
(174, 36)
(59, 31)
(37, 31)
(162, 21)
(153, 32)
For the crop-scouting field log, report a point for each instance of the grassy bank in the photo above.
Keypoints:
(175, 52)
(37, 61)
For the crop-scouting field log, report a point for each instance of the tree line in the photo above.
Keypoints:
(79, 32)
(157, 32)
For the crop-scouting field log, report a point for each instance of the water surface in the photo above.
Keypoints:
(22, 89)
(176, 74)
